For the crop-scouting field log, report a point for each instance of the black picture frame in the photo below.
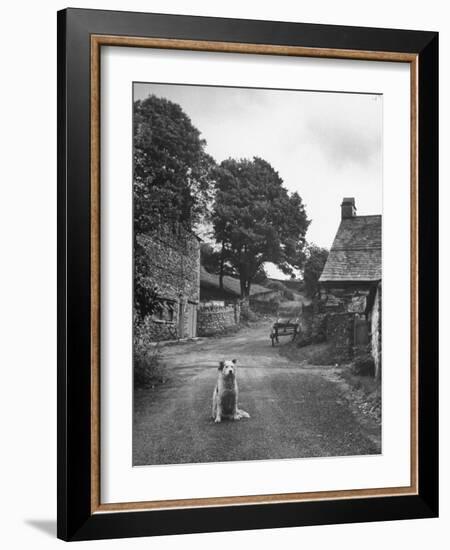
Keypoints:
(76, 521)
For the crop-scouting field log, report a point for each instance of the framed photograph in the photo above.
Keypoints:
(247, 255)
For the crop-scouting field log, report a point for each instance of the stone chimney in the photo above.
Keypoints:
(348, 208)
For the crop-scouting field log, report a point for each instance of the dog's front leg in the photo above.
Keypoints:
(214, 404)
(236, 412)
(218, 414)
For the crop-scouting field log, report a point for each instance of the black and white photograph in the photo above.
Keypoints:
(224, 278)
(257, 274)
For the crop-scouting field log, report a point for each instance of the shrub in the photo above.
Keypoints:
(285, 292)
(364, 366)
(289, 295)
(248, 315)
(276, 285)
(314, 264)
(148, 368)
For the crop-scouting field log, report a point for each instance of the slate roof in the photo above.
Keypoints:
(355, 255)
(230, 284)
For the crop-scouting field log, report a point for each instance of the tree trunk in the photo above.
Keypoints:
(245, 289)
(222, 261)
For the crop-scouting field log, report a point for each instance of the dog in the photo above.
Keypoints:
(225, 396)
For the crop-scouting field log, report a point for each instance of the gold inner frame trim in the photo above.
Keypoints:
(97, 41)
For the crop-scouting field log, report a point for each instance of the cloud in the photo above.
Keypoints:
(345, 140)
(325, 145)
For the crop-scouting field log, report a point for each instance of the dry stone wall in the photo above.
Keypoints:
(214, 320)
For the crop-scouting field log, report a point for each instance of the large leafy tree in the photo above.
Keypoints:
(314, 264)
(256, 220)
(172, 182)
(172, 171)
(214, 261)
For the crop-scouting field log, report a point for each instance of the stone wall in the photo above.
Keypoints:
(339, 332)
(213, 320)
(335, 328)
(312, 326)
(172, 263)
(375, 329)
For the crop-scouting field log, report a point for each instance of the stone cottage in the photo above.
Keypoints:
(173, 260)
(350, 285)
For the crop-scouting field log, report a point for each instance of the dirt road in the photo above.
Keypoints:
(295, 411)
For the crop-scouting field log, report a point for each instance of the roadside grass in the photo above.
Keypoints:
(149, 369)
(315, 354)
(227, 331)
(365, 383)
(362, 390)
(365, 392)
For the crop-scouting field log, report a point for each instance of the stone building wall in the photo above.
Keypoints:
(341, 299)
(173, 259)
(375, 330)
(340, 309)
(148, 330)
(172, 262)
(217, 319)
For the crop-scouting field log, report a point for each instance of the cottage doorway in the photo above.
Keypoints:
(361, 331)
(191, 319)
(187, 320)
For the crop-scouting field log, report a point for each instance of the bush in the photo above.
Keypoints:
(248, 315)
(285, 292)
(315, 262)
(148, 368)
(289, 295)
(364, 366)
(275, 285)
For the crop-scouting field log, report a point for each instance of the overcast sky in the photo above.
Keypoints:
(324, 145)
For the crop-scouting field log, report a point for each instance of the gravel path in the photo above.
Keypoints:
(295, 411)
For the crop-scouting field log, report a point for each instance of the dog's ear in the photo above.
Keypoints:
(234, 361)
(221, 365)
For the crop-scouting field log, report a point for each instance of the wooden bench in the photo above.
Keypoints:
(284, 328)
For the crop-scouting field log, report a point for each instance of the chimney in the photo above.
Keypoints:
(348, 208)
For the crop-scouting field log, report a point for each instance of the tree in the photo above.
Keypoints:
(256, 220)
(210, 258)
(214, 261)
(172, 181)
(314, 264)
(172, 171)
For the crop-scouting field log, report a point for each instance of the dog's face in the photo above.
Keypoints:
(228, 369)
